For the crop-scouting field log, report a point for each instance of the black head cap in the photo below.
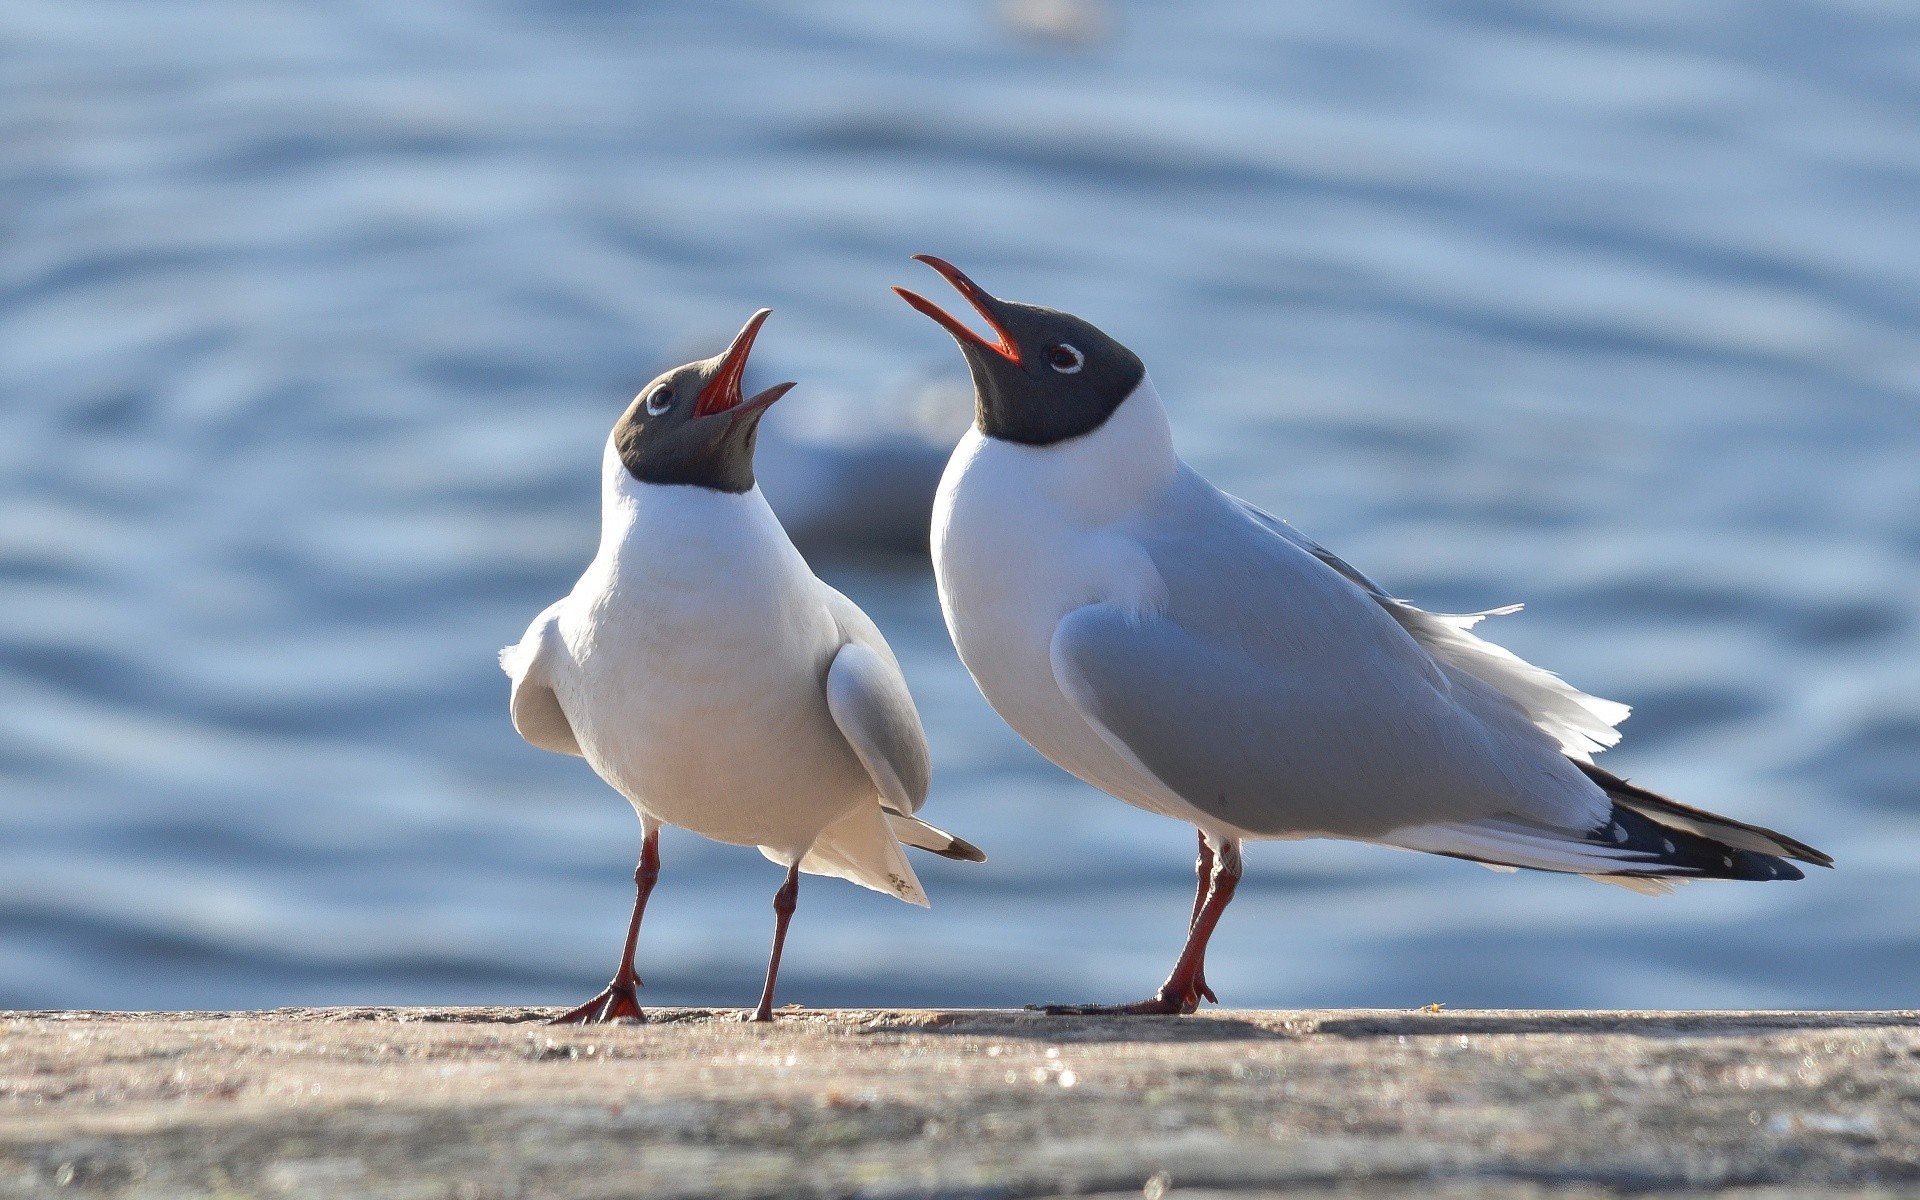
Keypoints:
(1050, 377)
(691, 426)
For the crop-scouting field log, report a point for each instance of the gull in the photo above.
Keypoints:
(709, 677)
(1195, 657)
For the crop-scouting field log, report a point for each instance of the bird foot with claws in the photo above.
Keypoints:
(1171, 1000)
(1155, 1006)
(618, 1002)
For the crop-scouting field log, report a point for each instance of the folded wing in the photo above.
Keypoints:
(868, 699)
(1269, 748)
(536, 711)
(870, 704)
(874, 712)
(1280, 692)
(1582, 724)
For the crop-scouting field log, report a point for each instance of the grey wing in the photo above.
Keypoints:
(536, 711)
(1269, 752)
(875, 712)
(1283, 530)
(870, 704)
(1276, 694)
(1581, 723)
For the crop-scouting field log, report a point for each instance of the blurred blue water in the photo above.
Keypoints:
(313, 320)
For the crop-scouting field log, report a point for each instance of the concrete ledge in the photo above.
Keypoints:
(478, 1103)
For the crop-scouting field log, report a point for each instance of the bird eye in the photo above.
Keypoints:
(1064, 358)
(659, 400)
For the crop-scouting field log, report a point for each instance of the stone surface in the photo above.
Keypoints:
(481, 1103)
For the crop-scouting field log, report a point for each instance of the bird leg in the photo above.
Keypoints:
(783, 905)
(1184, 988)
(620, 999)
(1202, 876)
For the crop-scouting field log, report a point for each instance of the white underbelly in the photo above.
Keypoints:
(719, 726)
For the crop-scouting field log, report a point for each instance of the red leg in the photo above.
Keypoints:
(1202, 876)
(1182, 991)
(783, 905)
(620, 999)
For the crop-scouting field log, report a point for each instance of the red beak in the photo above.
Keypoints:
(977, 296)
(722, 393)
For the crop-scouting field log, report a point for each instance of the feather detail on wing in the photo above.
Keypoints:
(1582, 724)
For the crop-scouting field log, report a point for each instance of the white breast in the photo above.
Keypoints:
(1022, 536)
(698, 644)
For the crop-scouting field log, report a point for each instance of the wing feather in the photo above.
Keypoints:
(535, 709)
(874, 712)
(1581, 723)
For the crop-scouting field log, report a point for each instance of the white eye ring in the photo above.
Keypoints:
(1074, 359)
(659, 400)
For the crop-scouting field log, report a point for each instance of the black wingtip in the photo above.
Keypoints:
(1737, 836)
(962, 850)
(1682, 854)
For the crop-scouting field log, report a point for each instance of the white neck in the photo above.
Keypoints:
(620, 497)
(669, 512)
(1114, 469)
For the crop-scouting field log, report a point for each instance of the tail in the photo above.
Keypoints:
(915, 832)
(861, 848)
(1650, 843)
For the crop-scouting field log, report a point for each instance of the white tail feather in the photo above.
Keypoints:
(861, 848)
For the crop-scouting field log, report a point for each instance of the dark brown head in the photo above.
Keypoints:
(691, 426)
(1049, 377)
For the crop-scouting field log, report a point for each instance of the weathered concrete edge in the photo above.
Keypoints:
(888, 1102)
(1508, 1021)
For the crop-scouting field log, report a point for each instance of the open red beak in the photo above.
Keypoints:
(722, 393)
(1006, 347)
